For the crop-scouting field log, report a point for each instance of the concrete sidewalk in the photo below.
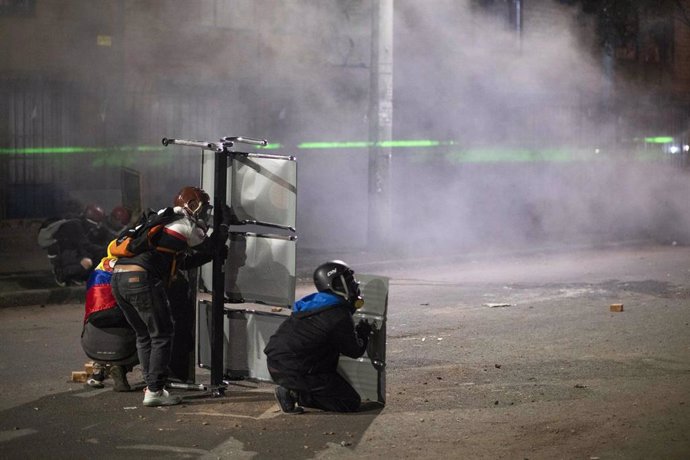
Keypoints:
(36, 288)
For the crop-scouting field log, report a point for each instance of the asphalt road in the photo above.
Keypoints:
(552, 374)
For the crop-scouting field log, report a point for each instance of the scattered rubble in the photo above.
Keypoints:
(616, 307)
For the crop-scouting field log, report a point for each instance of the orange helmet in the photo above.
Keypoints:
(193, 200)
(94, 214)
(121, 215)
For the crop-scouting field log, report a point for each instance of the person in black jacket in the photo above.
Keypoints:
(74, 244)
(302, 355)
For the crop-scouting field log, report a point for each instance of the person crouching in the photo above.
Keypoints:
(302, 355)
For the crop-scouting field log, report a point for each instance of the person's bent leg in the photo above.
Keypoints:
(119, 375)
(329, 392)
(286, 392)
(155, 312)
(144, 300)
(158, 319)
(125, 287)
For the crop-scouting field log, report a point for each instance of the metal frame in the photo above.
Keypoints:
(222, 152)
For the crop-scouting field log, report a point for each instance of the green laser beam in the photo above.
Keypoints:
(658, 140)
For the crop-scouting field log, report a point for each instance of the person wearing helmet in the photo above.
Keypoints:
(94, 221)
(73, 244)
(140, 284)
(117, 221)
(302, 355)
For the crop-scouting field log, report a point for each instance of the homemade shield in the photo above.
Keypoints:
(260, 269)
(368, 374)
(261, 189)
(262, 192)
(248, 327)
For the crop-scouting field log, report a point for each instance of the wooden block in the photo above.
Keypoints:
(79, 376)
(88, 367)
(616, 307)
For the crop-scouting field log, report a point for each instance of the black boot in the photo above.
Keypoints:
(287, 400)
(119, 375)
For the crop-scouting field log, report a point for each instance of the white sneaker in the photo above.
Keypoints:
(93, 383)
(160, 398)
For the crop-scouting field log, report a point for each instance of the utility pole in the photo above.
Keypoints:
(380, 122)
(515, 19)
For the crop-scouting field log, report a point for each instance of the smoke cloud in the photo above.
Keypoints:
(535, 157)
(531, 151)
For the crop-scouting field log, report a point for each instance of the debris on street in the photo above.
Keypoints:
(616, 307)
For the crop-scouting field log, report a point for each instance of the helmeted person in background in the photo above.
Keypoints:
(73, 244)
(117, 221)
(97, 238)
(302, 355)
(140, 284)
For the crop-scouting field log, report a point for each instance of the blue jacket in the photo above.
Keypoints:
(318, 301)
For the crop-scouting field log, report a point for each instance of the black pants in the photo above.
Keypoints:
(144, 303)
(67, 267)
(182, 309)
(329, 391)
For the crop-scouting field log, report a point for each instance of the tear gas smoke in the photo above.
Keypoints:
(463, 75)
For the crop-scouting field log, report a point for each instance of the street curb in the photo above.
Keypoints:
(58, 295)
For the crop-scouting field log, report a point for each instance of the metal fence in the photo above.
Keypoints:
(61, 143)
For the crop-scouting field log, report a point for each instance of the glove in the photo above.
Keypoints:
(202, 225)
(363, 329)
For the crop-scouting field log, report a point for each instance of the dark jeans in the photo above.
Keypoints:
(329, 392)
(144, 303)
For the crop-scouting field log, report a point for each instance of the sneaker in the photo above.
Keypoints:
(160, 398)
(59, 280)
(93, 383)
(97, 376)
(119, 375)
(287, 400)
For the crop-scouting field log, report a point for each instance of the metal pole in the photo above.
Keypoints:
(380, 122)
(515, 17)
(218, 278)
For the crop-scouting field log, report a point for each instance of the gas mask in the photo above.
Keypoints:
(358, 300)
(205, 215)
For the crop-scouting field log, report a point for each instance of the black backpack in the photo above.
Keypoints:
(144, 235)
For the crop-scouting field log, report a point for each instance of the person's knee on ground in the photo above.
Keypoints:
(330, 403)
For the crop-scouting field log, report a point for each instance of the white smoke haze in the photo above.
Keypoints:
(461, 74)
(298, 71)
(465, 76)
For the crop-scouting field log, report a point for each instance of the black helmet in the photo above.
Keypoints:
(337, 278)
